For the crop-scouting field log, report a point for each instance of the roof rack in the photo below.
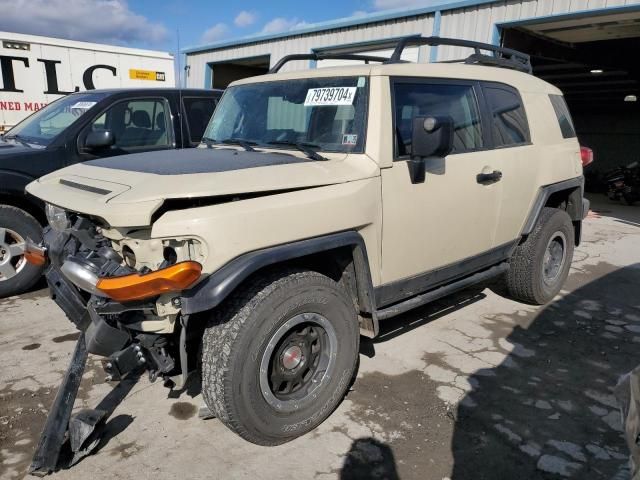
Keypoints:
(501, 57)
(326, 56)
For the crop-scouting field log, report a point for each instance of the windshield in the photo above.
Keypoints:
(43, 126)
(327, 114)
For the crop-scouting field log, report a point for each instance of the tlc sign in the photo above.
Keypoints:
(9, 80)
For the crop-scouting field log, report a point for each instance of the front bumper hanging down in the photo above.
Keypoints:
(52, 438)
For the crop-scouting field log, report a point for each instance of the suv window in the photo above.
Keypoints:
(508, 118)
(421, 99)
(198, 111)
(136, 123)
(563, 116)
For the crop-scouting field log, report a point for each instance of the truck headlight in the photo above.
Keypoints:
(57, 217)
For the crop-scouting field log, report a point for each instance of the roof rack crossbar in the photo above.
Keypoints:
(326, 56)
(502, 57)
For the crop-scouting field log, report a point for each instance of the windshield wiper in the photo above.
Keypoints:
(246, 144)
(18, 139)
(309, 148)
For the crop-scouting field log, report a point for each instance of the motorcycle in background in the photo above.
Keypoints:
(624, 183)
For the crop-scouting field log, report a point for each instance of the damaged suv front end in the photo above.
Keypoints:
(123, 292)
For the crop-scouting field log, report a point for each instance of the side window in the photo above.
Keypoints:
(564, 117)
(199, 112)
(509, 121)
(421, 99)
(136, 123)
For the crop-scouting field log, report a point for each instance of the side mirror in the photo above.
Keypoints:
(432, 137)
(99, 139)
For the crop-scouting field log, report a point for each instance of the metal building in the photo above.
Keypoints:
(585, 47)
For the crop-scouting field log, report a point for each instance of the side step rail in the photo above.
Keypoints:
(440, 292)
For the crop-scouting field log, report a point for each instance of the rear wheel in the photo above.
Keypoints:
(540, 265)
(278, 356)
(16, 227)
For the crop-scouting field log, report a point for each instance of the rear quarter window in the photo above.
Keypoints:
(509, 126)
(564, 117)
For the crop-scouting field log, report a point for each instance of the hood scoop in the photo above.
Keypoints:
(79, 187)
(86, 188)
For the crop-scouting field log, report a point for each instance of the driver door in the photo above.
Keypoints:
(437, 230)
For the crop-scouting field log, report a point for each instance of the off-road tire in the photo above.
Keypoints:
(524, 281)
(27, 227)
(239, 333)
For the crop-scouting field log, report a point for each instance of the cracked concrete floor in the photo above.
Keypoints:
(473, 387)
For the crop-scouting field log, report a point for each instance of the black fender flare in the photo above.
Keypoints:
(211, 291)
(577, 209)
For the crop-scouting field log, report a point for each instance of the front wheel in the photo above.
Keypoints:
(278, 357)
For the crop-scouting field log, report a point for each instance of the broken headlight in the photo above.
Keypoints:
(57, 217)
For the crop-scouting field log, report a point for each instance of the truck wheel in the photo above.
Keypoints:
(17, 226)
(279, 355)
(540, 265)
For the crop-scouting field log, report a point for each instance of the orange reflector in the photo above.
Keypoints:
(34, 254)
(137, 287)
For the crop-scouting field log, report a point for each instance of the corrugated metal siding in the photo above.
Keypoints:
(472, 23)
(306, 43)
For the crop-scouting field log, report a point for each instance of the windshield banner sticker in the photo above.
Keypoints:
(318, 97)
(79, 108)
(350, 139)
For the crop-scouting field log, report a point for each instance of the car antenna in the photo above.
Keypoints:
(180, 80)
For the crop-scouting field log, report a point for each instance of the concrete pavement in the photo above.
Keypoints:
(475, 386)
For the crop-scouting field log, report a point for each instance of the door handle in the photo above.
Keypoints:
(493, 177)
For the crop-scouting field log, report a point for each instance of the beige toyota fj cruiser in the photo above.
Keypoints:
(320, 203)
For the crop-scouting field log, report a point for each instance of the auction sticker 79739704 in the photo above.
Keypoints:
(330, 96)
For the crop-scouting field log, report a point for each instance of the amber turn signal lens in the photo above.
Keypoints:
(35, 255)
(138, 287)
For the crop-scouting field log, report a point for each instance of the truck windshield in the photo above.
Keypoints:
(324, 114)
(43, 126)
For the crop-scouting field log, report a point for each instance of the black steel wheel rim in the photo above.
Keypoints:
(298, 361)
(554, 258)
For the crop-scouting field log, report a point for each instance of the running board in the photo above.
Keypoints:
(440, 292)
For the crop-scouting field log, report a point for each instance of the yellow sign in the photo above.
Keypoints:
(146, 75)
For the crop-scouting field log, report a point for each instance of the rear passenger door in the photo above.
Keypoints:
(198, 112)
(433, 226)
(513, 155)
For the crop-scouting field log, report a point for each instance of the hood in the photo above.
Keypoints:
(13, 155)
(127, 190)
(10, 148)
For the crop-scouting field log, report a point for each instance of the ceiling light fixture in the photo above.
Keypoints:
(595, 71)
(630, 98)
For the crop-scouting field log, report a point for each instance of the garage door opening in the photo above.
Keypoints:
(592, 60)
(223, 73)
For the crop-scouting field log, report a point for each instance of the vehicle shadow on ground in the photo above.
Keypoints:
(369, 458)
(547, 411)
